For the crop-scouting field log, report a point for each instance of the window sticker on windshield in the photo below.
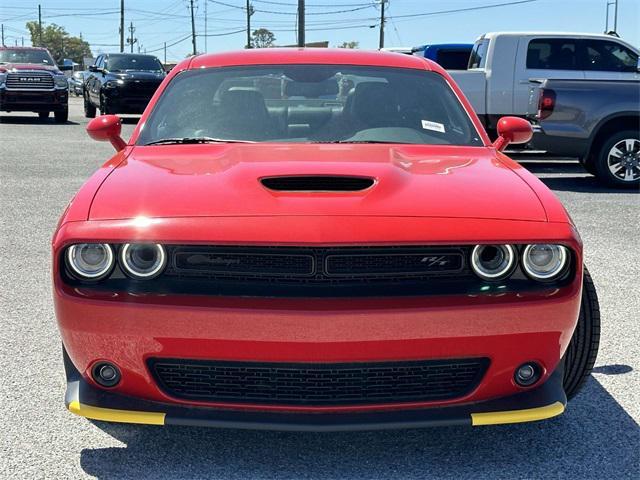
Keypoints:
(435, 126)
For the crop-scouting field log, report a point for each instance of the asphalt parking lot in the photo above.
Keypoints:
(43, 164)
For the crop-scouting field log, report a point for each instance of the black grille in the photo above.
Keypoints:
(317, 183)
(322, 264)
(224, 262)
(140, 88)
(29, 81)
(318, 384)
(315, 271)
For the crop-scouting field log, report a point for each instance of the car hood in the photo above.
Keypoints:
(8, 67)
(225, 180)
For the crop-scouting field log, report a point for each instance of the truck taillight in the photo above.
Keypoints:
(546, 103)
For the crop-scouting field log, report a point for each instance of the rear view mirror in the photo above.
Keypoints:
(107, 128)
(512, 130)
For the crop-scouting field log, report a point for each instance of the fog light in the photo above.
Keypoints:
(106, 374)
(527, 374)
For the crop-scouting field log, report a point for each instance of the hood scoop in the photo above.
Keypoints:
(317, 183)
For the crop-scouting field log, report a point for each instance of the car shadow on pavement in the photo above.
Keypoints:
(33, 120)
(595, 438)
(570, 176)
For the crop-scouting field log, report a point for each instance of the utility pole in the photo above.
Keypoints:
(121, 26)
(615, 17)
(382, 21)
(131, 40)
(23, 41)
(249, 13)
(205, 25)
(2, 35)
(165, 53)
(39, 25)
(193, 30)
(301, 39)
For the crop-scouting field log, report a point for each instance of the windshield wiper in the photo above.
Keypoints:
(187, 140)
(361, 141)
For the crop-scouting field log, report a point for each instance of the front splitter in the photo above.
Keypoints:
(544, 402)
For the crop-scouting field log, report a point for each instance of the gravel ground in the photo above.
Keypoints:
(43, 164)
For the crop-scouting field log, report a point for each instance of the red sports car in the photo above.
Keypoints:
(318, 239)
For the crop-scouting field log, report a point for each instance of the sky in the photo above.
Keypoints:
(410, 22)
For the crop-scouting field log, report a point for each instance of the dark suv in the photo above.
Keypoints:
(30, 81)
(121, 83)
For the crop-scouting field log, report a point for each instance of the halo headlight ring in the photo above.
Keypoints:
(154, 265)
(506, 265)
(74, 261)
(560, 257)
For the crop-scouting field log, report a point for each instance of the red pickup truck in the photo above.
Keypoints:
(30, 81)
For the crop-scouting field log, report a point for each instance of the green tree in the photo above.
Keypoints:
(349, 45)
(262, 38)
(61, 45)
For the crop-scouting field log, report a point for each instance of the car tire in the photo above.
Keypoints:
(43, 115)
(89, 110)
(583, 349)
(626, 142)
(61, 116)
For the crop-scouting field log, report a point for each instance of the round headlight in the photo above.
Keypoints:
(90, 260)
(492, 262)
(544, 261)
(143, 260)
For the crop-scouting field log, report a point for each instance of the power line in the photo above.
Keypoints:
(467, 9)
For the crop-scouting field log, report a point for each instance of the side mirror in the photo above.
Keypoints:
(107, 128)
(512, 130)
(93, 68)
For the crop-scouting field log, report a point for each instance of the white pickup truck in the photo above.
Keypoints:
(506, 68)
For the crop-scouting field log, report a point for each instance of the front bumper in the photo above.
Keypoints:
(128, 329)
(121, 100)
(33, 101)
(546, 401)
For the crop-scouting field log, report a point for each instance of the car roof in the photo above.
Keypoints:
(9, 47)
(125, 54)
(328, 56)
(551, 34)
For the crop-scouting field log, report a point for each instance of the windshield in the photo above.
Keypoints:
(132, 62)
(26, 56)
(310, 103)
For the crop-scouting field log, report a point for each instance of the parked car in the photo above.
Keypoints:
(30, 81)
(76, 83)
(597, 121)
(505, 68)
(450, 56)
(121, 83)
(250, 259)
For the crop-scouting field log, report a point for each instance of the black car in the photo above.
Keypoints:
(121, 83)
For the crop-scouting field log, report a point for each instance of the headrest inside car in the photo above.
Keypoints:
(311, 89)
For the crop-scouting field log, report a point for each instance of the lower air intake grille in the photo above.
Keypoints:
(318, 384)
